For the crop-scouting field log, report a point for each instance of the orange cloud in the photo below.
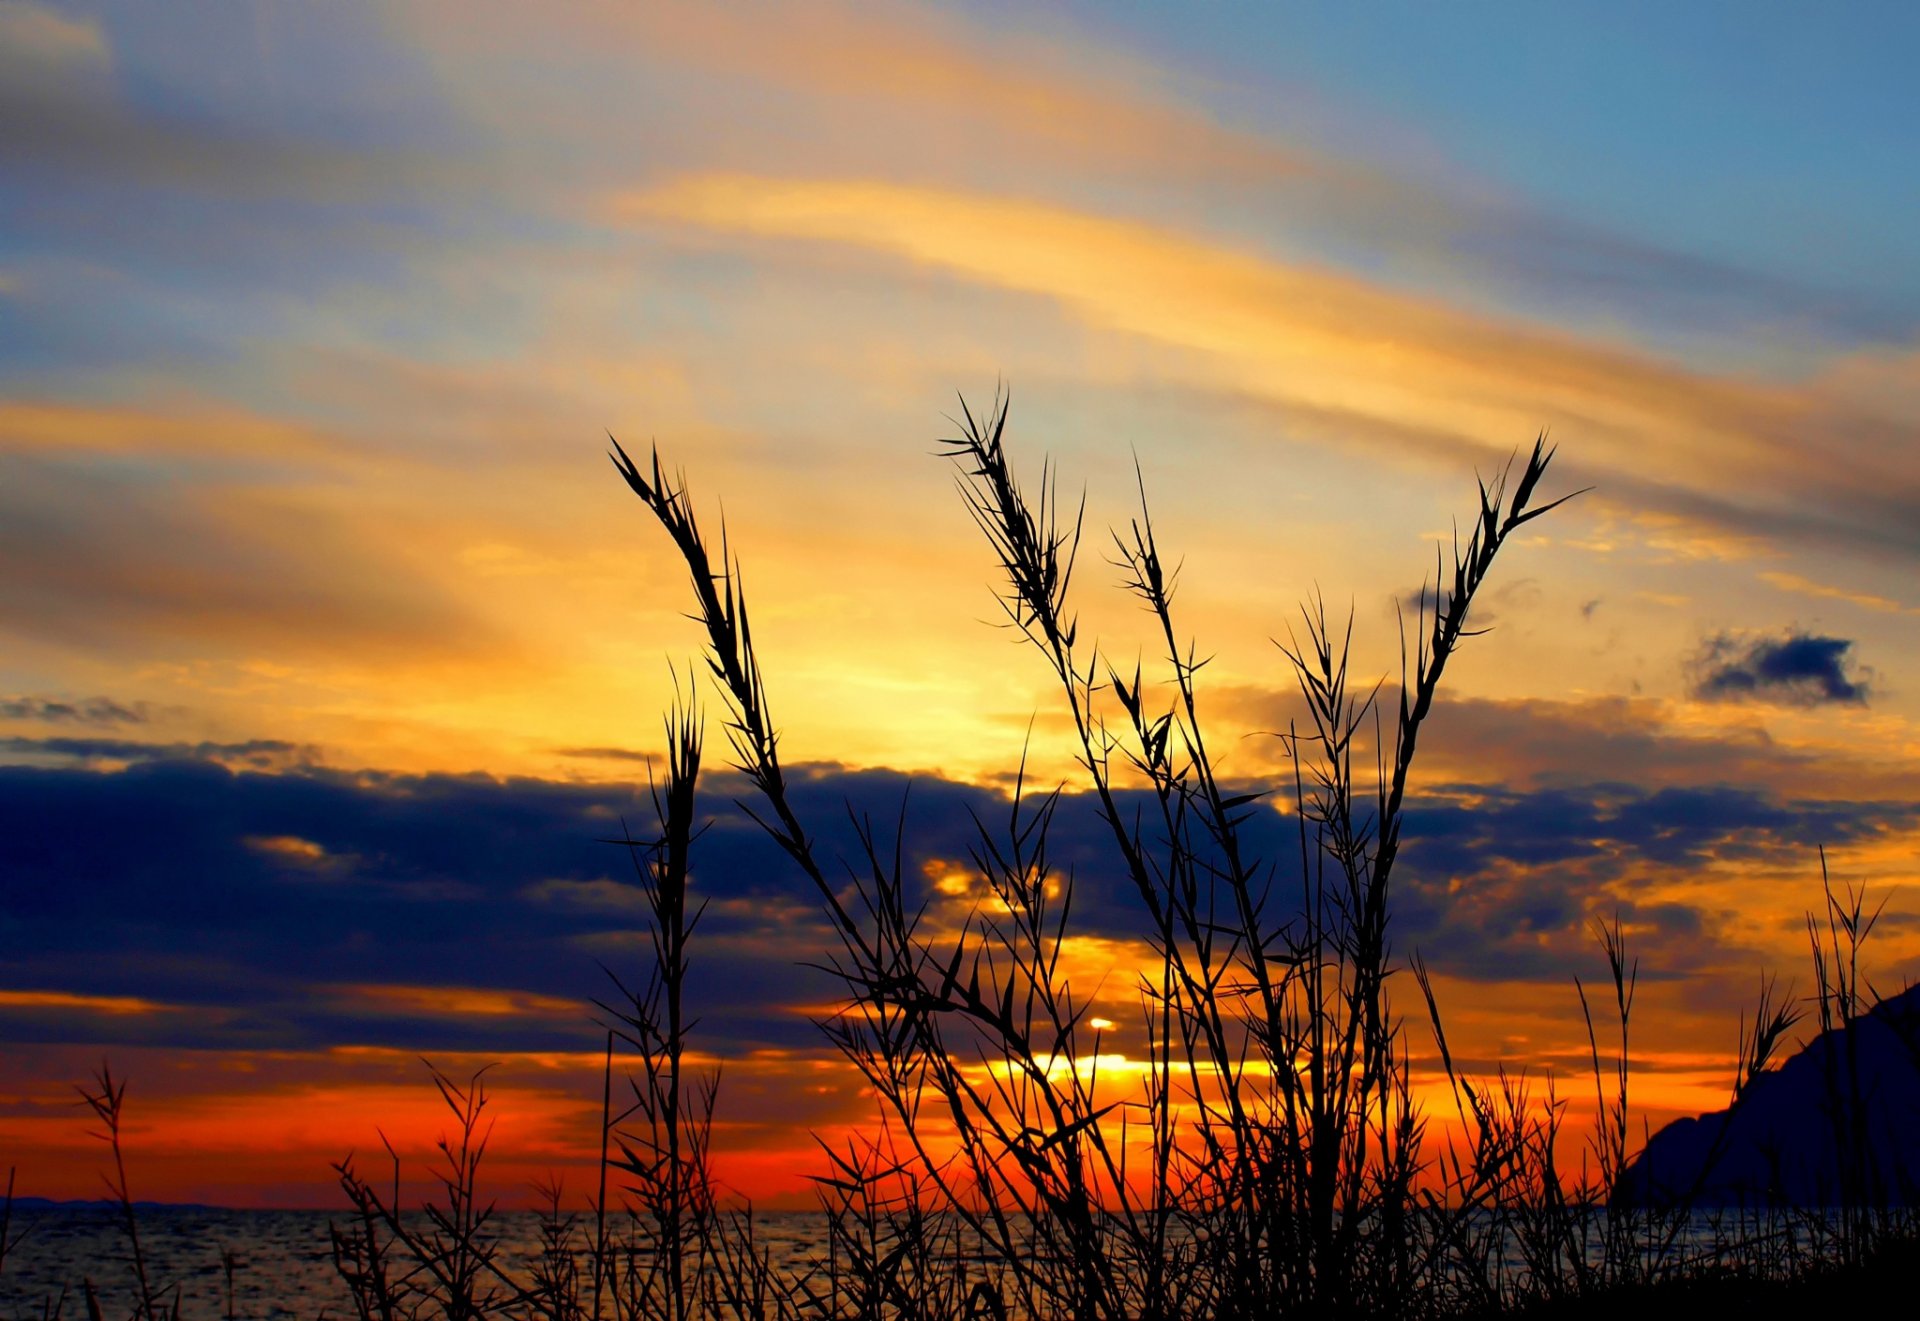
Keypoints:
(1054, 98)
(118, 1005)
(1327, 340)
(1402, 369)
(288, 848)
(455, 1001)
(179, 429)
(1796, 583)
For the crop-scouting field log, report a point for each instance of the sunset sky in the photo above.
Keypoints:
(333, 646)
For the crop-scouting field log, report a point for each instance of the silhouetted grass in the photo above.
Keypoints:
(1283, 1149)
(1287, 1167)
(106, 1100)
(1272, 1161)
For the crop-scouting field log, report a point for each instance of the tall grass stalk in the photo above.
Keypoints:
(445, 1261)
(6, 1220)
(663, 1133)
(107, 1100)
(1841, 998)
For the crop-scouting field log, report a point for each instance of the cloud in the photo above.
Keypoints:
(294, 911)
(98, 555)
(260, 754)
(604, 754)
(97, 1004)
(1535, 743)
(65, 711)
(1798, 669)
(307, 925)
(69, 119)
(852, 80)
(173, 431)
(314, 908)
(1759, 459)
(1039, 106)
(1793, 582)
(40, 45)
(1503, 887)
(453, 1002)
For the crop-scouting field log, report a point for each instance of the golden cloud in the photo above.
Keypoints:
(1412, 371)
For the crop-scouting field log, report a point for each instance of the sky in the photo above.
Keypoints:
(333, 648)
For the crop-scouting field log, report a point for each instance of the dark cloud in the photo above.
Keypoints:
(269, 910)
(1799, 669)
(1461, 828)
(254, 902)
(72, 711)
(256, 754)
(605, 754)
(1505, 885)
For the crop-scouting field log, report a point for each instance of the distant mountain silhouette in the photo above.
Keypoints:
(103, 1205)
(1778, 1145)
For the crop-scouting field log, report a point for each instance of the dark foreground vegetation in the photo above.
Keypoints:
(1269, 1160)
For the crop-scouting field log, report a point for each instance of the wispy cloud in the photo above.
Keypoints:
(1757, 458)
(177, 431)
(1793, 582)
(74, 711)
(41, 42)
(254, 754)
(115, 1005)
(453, 1001)
(97, 556)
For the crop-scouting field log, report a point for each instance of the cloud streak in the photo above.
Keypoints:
(1755, 456)
(103, 711)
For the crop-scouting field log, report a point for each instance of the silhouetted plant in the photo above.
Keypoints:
(663, 1133)
(449, 1266)
(557, 1290)
(107, 1100)
(1292, 1184)
(7, 1239)
(1841, 999)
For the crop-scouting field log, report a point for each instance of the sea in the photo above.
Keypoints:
(278, 1265)
(282, 1261)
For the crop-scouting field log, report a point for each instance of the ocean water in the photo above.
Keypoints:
(283, 1260)
(283, 1263)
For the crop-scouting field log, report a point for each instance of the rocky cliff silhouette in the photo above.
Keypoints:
(1838, 1123)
